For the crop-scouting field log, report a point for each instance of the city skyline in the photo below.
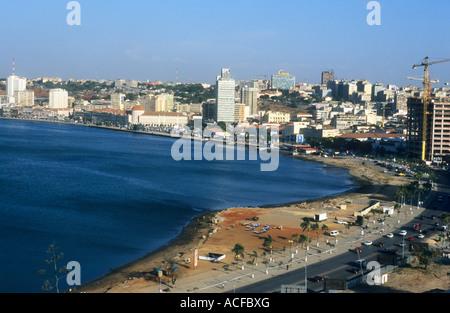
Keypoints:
(255, 39)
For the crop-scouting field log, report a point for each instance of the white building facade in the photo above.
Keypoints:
(225, 94)
(14, 84)
(58, 99)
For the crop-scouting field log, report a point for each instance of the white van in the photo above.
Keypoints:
(334, 233)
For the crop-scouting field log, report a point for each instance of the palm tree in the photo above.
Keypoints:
(295, 238)
(419, 176)
(445, 217)
(267, 243)
(427, 186)
(399, 194)
(432, 176)
(403, 190)
(419, 191)
(254, 255)
(306, 224)
(324, 228)
(302, 239)
(316, 227)
(238, 250)
(347, 227)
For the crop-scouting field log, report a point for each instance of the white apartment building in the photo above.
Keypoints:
(58, 99)
(225, 92)
(13, 84)
(24, 98)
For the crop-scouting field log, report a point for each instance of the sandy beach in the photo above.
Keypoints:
(218, 232)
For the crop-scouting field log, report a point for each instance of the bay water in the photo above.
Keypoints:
(107, 197)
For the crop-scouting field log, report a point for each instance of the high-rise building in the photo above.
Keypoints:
(239, 112)
(376, 88)
(13, 84)
(117, 101)
(436, 144)
(225, 94)
(164, 102)
(58, 99)
(349, 90)
(249, 96)
(327, 76)
(24, 98)
(283, 81)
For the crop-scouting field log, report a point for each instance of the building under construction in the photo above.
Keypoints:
(436, 146)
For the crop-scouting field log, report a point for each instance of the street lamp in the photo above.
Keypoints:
(403, 246)
(290, 249)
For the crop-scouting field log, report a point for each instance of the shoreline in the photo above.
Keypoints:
(197, 231)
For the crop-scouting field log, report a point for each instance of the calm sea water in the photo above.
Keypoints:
(106, 198)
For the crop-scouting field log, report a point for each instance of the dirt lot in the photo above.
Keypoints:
(414, 279)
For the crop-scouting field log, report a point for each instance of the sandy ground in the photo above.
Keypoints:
(218, 232)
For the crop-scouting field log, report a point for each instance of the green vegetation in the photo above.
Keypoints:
(55, 272)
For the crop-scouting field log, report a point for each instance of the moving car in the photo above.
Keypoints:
(361, 263)
(317, 279)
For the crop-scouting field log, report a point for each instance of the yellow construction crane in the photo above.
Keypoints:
(421, 79)
(426, 98)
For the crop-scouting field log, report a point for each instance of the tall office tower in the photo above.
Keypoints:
(283, 81)
(376, 88)
(327, 76)
(117, 101)
(436, 145)
(249, 96)
(225, 92)
(14, 84)
(58, 99)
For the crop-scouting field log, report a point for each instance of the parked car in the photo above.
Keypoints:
(402, 232)
(367, 243)
(410, 239)
(390, 235)
(421, 236)
(380, 244)
(334, 233)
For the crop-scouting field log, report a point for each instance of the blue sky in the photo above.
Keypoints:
(148, 39)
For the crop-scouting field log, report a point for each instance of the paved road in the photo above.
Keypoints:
(341, 266)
